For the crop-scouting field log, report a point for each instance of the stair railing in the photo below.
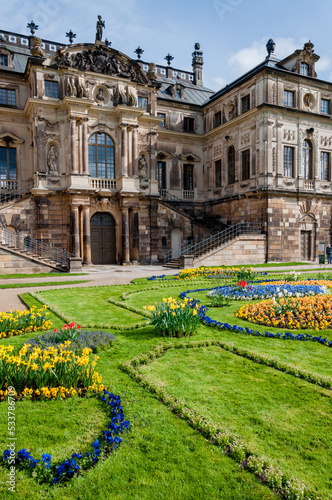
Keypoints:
(27, 245)
(214, 241)
(12, 188)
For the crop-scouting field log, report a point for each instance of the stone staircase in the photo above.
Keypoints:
(202, 252)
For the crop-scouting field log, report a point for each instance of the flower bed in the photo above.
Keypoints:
(295, 313)
(20, 322)
(229, 272)
(173, 318)
(246, 291)
(43, 470)
(46, 374)
(79, 339)
(302, 337)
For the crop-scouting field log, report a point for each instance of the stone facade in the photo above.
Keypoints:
(123, 160)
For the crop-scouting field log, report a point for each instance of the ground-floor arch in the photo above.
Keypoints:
(103, 238)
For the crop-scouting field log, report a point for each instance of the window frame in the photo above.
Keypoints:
(188, 177)
(51, 84)
(217, 119)
(8, 163)
(161, 174)
(9, 104)
(6, 58)
(163, 123)
(231, 165)
(325, 176)
(140, 102)
(105, 151)
(307, 160)
(245, 164)
(288, 161)
(327, 104)
(217, 173)
(245, 103)
(186, 121)
(287, 95)
(307, 68)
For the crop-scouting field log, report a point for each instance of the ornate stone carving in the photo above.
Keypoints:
(274, 159)
(142, 167)
(245, 139)
(289, 135)
(100, 61)
(36, 50)
(309, 101)
(71, 87)
(217, 150)
(326, 141)
(132, 97)
(99, 29)
(274, 93)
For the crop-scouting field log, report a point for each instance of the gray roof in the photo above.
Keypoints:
(192, 94)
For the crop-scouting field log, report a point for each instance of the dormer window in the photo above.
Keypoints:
(178, 93)
(3, 60)
(304, 69)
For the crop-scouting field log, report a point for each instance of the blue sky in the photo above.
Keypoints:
(232, 33)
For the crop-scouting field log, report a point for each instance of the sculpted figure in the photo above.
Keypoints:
(100, 95)
(142, 167)
(71, 87)
(100, 26)
(52, 159)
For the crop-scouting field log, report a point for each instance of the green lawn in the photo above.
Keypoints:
(161, 457)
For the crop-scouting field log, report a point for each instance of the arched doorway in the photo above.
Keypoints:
(103, 243)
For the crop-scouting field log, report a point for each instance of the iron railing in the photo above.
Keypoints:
(23, 243)
(12, 188)
(212, 242)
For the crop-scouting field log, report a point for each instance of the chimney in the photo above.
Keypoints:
(197, 65)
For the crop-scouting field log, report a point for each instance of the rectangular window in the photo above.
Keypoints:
(143, 102)
(288, 98)
(188, 124)
(245, 103)
(304, 69)
(163, 116)
(288, 161)
(217, 168)
(161, 174)
(217, 119)
(51, 88)
(178, 93)
(325, 106)
(3, 60)
(245, 156)
(7, 97)
(188, 177)
(325, 166)
(7, 163)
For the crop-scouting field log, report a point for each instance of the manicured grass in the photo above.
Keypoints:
(40, 275)
(161, 456)
(267, 409)
(51, 283)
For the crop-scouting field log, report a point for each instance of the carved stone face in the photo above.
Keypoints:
(309, 100)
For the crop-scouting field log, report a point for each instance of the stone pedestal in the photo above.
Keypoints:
(186, 261)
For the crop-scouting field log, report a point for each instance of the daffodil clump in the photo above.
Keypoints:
(228, 272)
(20, 322)
(175, 318)
(313, 313)
(56, 372)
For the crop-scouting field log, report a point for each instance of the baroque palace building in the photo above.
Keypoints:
(117, 160)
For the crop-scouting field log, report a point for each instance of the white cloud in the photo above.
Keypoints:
(219, 82)
(323, 64)
(249, 57)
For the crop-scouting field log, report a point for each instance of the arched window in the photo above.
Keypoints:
(231, 165)
(101, 156)
(304, 69)
(307, 160)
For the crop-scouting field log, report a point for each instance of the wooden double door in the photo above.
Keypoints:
(103, 239)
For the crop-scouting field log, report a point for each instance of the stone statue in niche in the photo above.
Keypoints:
(122, 95)
(142, 167)
(100, 96)
(99, 29)
(52, 159)
(81, 90)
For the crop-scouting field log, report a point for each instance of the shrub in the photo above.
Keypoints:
(20, 322)
(173, 318)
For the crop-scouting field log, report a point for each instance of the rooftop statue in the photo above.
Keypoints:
(100, 26)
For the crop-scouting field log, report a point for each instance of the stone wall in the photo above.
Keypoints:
(11, 263)
(245, 250)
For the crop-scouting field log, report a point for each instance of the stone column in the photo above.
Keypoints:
(134, 150)
(75, 230)
(74, 169)
(85, 154)
(135, 247)
(153, 157)
(86, 236)
(124, 150)
(130, 153)
(125, 237)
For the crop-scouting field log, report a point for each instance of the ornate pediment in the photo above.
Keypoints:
(164, 155)
(99, 60)
(9, 138)
(189, 157)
